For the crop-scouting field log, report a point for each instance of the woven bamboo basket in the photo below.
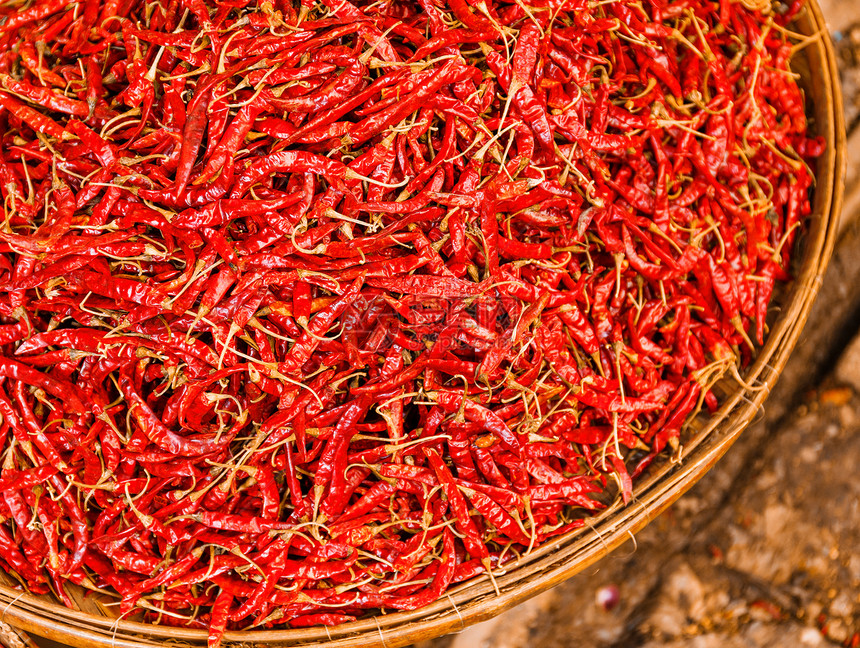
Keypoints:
(91, 626)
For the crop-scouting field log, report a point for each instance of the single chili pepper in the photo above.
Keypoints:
(330, 94)
(35, 12)
(26, 478)
(233, 137)
(333, 461)
(192, 136)
(580, 328)
(467, 17)
(450, 73)
(37, 121)
(458, 505)
(497, 516)
(320, 618)
(294, 161)
(51, 100)
(31, 60)
(448, 38)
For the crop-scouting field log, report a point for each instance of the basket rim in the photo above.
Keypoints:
(477, 599)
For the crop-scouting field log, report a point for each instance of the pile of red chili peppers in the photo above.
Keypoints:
(311, 310)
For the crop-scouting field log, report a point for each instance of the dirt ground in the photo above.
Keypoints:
(765, 550)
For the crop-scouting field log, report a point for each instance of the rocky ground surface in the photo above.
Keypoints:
(765, 550)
